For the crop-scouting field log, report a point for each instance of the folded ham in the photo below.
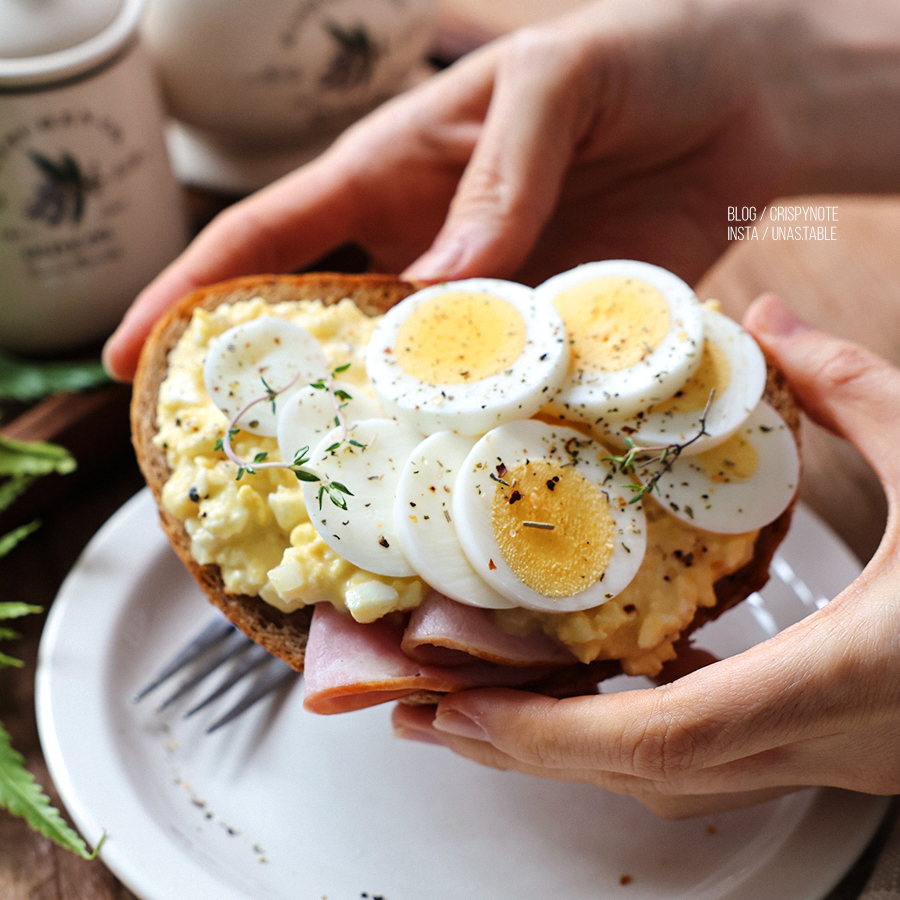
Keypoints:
(444, 646)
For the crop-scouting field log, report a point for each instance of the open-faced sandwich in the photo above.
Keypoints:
(405, 492)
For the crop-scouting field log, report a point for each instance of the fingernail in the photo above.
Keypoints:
(437, 264)
(454, 722)
(423, 736)
(776, 319)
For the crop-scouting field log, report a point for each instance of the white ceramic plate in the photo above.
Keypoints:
(285, 804)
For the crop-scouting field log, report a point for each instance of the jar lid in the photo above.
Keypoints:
(47, 41)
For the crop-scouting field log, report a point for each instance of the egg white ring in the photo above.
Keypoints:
(472, 407)
(534, 440)
(727, 411)
(308, 413)
(589, 396)
(364, 533)
(423, 521)
(738, 506)
(264, 353)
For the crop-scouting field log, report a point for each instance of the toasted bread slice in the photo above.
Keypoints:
(285, 634)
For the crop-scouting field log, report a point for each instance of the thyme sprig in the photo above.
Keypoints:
(662, 457)
(334, 490)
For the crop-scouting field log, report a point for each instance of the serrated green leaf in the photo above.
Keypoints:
(7, 661)
(11, 538)
(18, 458)
(8, 634)
(26, 381)
(22, 796)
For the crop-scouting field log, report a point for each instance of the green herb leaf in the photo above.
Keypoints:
(10, 662)
(13, 488)
(23, 797)
(11, 538)
(13, 610)
(25, 380)
(34, 458)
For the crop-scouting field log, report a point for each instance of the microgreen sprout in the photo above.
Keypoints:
(334, 490)
(654, 462)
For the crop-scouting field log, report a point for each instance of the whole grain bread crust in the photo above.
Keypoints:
(285, 634)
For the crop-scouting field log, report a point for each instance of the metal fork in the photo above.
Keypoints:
(220, 646)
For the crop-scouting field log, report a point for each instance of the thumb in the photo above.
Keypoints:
(842, 386)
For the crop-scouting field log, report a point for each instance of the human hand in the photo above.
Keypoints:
(621, 130)
(818, 704)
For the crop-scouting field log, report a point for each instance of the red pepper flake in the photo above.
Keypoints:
(491, 565)
(625, 880)
(514, 497)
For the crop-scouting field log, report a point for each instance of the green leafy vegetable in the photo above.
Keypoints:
(9, 540)
(13, 611)
(21, 462)
(22, 796)
(27, 380)
(33, 458)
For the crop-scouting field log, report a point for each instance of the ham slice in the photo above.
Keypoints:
(444, 632)
(351, 666)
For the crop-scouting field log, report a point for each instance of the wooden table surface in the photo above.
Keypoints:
(850, 285)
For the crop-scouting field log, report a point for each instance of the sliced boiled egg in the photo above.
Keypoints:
(260, 360)
(466, 356)
(311, 411)
(636, 335)
(368, 465)
(740, 484)
(726, 387)
(424, 524)
(545, 520)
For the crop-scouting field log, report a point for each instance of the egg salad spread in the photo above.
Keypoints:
(257, 528)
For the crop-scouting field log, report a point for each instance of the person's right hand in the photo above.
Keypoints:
(817, 704)
(620, 130)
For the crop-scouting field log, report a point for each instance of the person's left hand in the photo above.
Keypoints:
(818, 704)
(621, 130)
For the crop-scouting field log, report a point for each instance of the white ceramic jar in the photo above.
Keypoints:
(89, 208)
(257, 88)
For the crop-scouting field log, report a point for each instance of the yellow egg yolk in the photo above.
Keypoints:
(553, 527)
(713, 374)
(460, 337)
(613, 322)
(732, 460)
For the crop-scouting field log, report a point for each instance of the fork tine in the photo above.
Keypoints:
(278, 674)
(218, 643)
(234, 647)
(256, 656)
(212, 634)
